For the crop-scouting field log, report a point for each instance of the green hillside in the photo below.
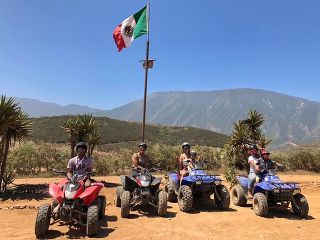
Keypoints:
(114, 131)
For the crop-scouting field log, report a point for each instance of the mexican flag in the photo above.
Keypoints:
(131, 28)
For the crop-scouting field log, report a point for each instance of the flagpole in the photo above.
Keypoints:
(146, 67)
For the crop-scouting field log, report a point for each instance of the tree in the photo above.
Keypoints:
(71, 127)
(254, 122)
(14, 126)
(244, 132)
(82, 128)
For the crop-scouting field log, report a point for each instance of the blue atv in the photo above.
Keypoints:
(197, 185)
(268, 192)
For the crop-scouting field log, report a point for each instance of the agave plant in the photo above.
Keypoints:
(14, 126)
(82, 128)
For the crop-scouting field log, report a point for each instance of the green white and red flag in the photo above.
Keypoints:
(131, 28)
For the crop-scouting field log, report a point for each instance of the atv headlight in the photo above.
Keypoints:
(276, 190)
(69, 194)
(217, 182)
(297, 190)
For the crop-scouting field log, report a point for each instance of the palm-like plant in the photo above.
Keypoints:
(82, 128)
(14, 126)
(92, 139)
(236, 142)
(254, 122)
(244, 132)
(71, 127)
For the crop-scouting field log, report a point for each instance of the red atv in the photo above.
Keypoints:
(74, 203)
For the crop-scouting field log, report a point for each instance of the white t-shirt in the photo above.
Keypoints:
(80, 166)
(255, 160)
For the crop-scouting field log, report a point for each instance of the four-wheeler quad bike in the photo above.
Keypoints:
(74, 203)
(139, 189)
(270, 192)
(197, 185)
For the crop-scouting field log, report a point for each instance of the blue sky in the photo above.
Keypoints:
(63, 51)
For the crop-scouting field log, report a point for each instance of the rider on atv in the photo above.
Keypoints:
(140, 159)
(254, 167)
(80, 164)
(184, 159)
(265, 163)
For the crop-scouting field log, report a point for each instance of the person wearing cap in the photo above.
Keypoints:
(140, 159)
(80, 164)
(254, 168)
(265, 163)
(184, 159)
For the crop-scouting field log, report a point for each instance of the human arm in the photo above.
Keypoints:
(70, 168)
(180, 162)
(254, 163)
(135, 160)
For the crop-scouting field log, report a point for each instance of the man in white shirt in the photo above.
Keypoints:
(80, 164)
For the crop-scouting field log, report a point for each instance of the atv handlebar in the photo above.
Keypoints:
(141, 169)
(64, 173)
(59, 172)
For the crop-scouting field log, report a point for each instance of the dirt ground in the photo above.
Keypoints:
(18, 213)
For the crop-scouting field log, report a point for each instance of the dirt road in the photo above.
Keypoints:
(18, 217)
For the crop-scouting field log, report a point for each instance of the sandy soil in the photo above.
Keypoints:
(18, 215)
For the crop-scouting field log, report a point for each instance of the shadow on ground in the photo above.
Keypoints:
(207, 206)
(150, 212)
(78, 232)
(285, 213)
(110, 185)
(26, 192)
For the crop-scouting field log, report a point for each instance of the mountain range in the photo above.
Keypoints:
(288, 119)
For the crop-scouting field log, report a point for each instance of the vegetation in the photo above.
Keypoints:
(244, 132)
(47, 149)
(31, 159)
(122, 133)
(14, 126)
(82, 128)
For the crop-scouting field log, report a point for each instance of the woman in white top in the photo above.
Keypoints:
(254, 168)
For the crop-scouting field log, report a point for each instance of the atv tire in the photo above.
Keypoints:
(125, 204)
(172, 197)
(102, 208)
(119, 191)
(238, 196)
(224, 203)
(43, 220)
(162, 203)
(300, 206)
(260, 204)
(185, 198)
(92, 220)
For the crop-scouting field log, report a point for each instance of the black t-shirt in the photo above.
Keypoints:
(265, 165)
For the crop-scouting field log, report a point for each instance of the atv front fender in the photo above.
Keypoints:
(56, 192)
(90, 193)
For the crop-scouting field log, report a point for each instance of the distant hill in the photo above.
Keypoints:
(36, 108)
(288, 120)
(115, 131)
